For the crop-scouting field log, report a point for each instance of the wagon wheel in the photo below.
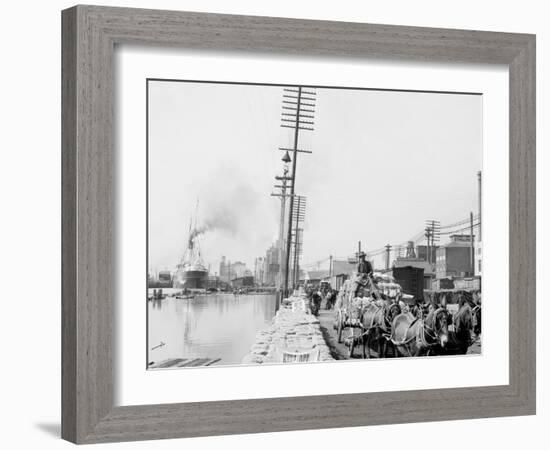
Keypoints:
(340, 326)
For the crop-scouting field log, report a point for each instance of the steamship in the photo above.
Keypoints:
(191, 272)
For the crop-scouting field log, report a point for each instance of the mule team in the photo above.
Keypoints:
(395, 327)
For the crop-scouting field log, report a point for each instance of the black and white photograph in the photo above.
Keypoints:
(307, 224)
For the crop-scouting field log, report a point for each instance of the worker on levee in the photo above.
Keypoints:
(364, 266)
(315, 303)
(364, 273)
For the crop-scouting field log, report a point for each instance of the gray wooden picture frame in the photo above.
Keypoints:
(90, 34)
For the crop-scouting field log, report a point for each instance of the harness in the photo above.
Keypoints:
(422, 332)
(477, 320)
(380, 319)
(458, 322)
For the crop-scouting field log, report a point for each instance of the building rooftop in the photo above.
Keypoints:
(454, 244)
(461, 237)
(316, 274)
(414, 262)
(343, 267)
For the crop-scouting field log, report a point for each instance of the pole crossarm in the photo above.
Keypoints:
(303, 92)
(297, 128)
(281, 195)
(289, 102)
(300, 122)
(301, 109)
(309, 99)
(294, 150)
(307, 116)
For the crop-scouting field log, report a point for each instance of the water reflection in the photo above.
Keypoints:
(211, 326)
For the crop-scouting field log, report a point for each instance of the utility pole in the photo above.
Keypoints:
(298, 215)
(479, 202)
(433, 233)
(298, 107)
(283, 196)
(388, 249)
(472, 254)
(330, 266)
(436, 233)
(428, 252)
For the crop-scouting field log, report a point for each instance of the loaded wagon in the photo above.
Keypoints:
(349, 306)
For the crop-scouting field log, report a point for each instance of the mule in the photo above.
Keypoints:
(476, 320)
(376, 322)
(417, 336)
(460, 338)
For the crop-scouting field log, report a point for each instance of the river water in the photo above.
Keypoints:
(208, 326)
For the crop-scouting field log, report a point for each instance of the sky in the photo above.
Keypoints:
(383, 162)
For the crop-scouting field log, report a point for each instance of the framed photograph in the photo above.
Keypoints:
(277, 224)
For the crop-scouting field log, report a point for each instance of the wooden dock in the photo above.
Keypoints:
(181, 362)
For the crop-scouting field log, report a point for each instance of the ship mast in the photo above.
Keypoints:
(189, 238)
(196, 234)
(191, 272)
